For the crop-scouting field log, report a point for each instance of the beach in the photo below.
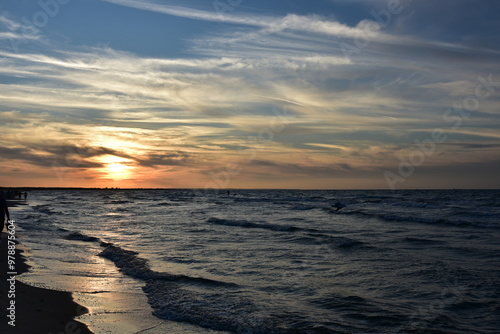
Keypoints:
(268, 261)
(36, 310)
(118, 305)
(254, 261)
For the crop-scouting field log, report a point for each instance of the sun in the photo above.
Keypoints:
(116, 168)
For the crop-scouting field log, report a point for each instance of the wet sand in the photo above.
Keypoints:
(37, 310)
(47, 311)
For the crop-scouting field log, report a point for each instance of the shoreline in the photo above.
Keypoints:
(37, 310)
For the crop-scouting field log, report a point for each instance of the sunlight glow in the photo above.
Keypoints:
(116, 168)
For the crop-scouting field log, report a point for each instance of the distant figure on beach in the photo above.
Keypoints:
(338, 205)
(4, 211)
(25, 195)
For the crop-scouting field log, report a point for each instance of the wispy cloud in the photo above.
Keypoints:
(17, 30)
(277, 96)
(313, 24)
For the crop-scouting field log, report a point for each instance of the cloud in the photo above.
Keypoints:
(17, 31)
(190, 13)
(82, 157)
(277, 86)
(315, 24)
(44, 159)
(9, 35)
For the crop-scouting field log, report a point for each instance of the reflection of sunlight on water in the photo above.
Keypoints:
(101, 276)
(116, 302)
(129, 313)
(115, 214)
(97, 275)
(120, 235)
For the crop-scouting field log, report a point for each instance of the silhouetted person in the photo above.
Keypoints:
(4, 211)
(25, 195)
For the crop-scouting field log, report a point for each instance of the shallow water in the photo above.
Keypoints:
(272, 261)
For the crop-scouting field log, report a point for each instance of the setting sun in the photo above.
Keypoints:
(116, 168)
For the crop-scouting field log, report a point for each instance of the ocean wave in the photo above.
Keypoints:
(118, 202)
(80, 237)
(132, 265)
(128, 261)
(422, 240)
(359, 308)
(303, 207)
(44, 208)
(336, 301)
(337, 242)
(247, 224)
(308, 236)
(162, 204)
(217, 309)
(415, 219)
(206, 303)
(250, 200)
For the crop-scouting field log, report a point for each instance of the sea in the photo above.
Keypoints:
(269, 261)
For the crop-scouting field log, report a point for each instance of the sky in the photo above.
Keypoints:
(323, 94)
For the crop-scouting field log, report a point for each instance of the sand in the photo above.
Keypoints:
(41, 310)
(37, 310)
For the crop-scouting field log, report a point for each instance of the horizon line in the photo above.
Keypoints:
(225, 189)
